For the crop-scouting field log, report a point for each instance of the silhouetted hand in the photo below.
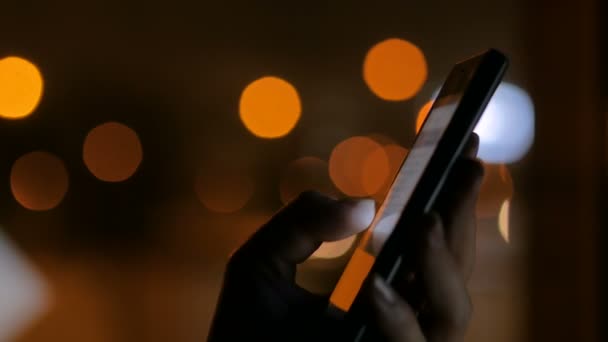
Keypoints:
(261, 302)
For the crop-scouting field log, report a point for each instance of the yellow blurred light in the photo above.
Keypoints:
(20, 87)
(39, 180)
(503, 221)
(395, 69)
(270, 107)
(422, 114)
(303, 174)
(348, 170)
(223, 189)
(496, 187)
(112, 152)
(335, 249)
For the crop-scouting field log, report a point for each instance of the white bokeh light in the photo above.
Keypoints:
(24, 295)
(506, 128)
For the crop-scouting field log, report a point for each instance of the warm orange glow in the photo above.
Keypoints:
(112, 152)
(347, 166)
(395, 154)
(20, 87)
(496, 187)
(352, 279)
(422, 114)
(39, 180)
(503, 221)
(395, 69)
(335, 249)
(306, 173)
(223, 189)
(270, 107)
(375, 170)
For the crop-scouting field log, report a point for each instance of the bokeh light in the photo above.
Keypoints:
(506, 128)
(24, 293)
(303, 174)
(112, 152)
(395, 154)
(348, 170)
(335, 249)
(223, 189)
(270, 107)
(503, 221)
(21, 87)
(496, 187)
(422, 114)
(395, 69)
(39, 180)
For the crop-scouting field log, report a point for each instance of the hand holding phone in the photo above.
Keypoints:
(386, 250)
(260, 300)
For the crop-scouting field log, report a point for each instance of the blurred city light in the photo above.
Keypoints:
(496, 187)
(395, 69)
(506, 127)
(303, 174)
(39, 180)
(503, 221)
(223, 189)
(270, 107)
(24, 294)
(395, 154)
(112, 152)
(21, 87)
(347, 166)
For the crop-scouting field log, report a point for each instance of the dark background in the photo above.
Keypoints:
(142, 259)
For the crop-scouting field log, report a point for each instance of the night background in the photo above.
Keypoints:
(143, 142)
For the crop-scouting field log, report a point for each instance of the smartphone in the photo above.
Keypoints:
(382, 250)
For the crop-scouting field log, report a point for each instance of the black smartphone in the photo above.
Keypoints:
(440, 142)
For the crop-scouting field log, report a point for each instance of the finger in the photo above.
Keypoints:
(295, 232)
(448, 307)
(456, 206)
(393, 316)
(472, 147)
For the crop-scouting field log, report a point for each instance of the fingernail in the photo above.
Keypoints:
(382, 291)
(363, 213)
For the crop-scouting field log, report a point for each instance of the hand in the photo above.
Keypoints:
(260, 300)
(444, 262)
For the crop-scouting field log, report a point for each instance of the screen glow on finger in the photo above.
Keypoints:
(334, 249)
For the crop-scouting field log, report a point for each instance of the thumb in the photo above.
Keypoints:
(295, 232)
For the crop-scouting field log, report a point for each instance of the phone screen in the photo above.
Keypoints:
(400, 193)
